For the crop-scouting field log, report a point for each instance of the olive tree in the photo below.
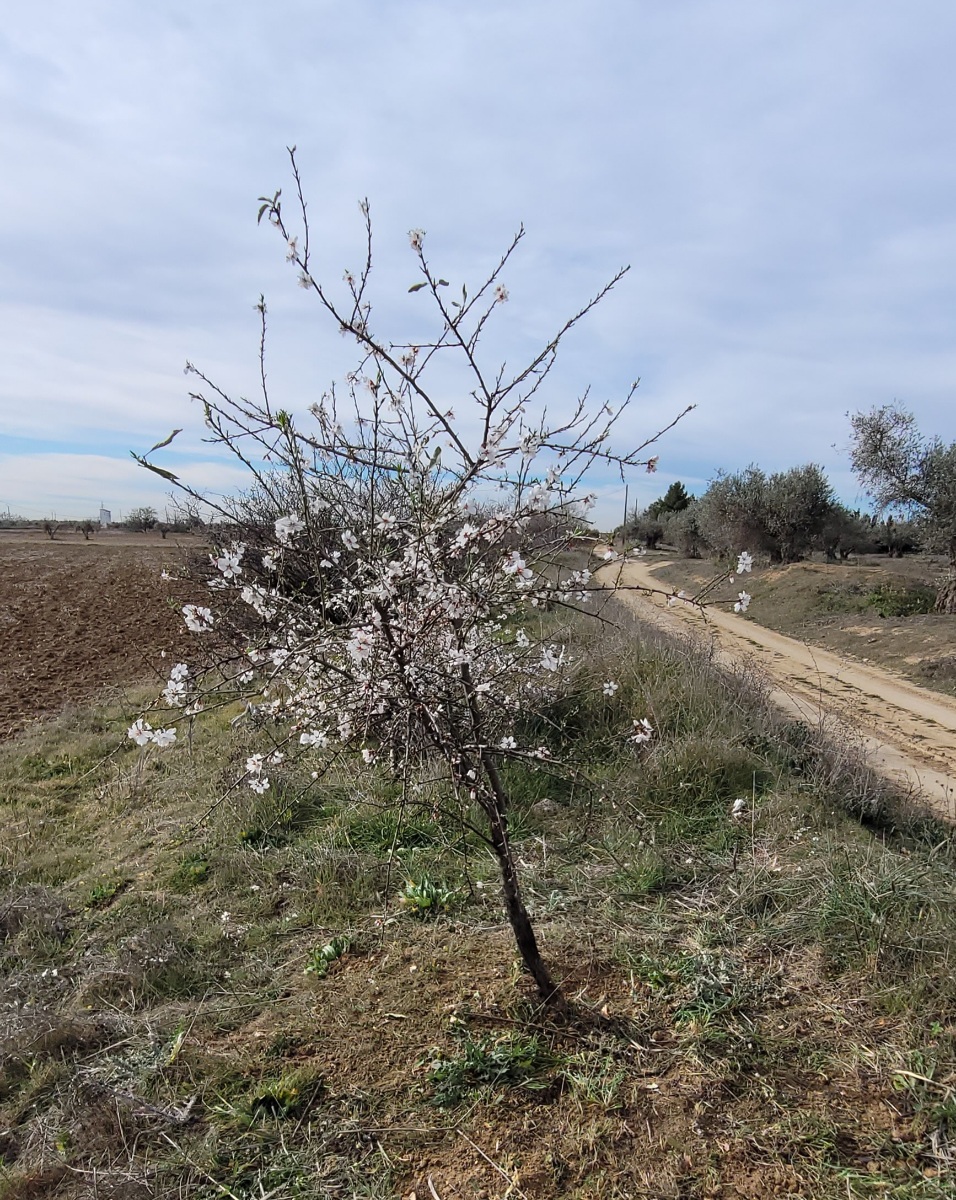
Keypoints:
(783, 514)
(905, 470)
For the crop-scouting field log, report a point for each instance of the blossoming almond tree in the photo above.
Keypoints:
(389, 565)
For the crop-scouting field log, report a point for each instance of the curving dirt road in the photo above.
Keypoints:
(909, 733)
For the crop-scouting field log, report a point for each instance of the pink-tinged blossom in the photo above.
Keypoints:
(652, 464)
(501, 294)
(314, 737)
(228, 562)
(514, 565)
(464, 537)
(361, 645)
(287, 527)
(385, 521)
(140, 731)
(643, 731)
(198, 619)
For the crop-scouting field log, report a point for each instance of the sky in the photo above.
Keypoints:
(780, 178)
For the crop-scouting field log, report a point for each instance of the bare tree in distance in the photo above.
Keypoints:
(141, 520)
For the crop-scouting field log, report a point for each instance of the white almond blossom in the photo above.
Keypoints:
(140, 731)
(515, 565)
(198, 619)
(643, 731)
(228, 562)
(287, 527)
(551, 658)
(314, 737)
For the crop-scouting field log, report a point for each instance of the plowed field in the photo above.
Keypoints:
(77, 617)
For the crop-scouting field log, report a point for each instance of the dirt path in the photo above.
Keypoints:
(910, 733)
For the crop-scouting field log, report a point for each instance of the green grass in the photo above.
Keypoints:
(210, 993)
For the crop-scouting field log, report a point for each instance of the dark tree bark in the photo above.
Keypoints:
(496, 809)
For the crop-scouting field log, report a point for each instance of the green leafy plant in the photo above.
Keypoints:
(322, 958)
(516, 1060)
(889, 601)
(192, 871)
(101, 894)
(279, 1099)
(424, 898)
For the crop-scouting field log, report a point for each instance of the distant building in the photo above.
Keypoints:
(106, 517)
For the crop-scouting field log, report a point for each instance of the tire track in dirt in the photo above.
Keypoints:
(909, 733)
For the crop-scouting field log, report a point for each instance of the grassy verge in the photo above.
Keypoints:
(313, 993)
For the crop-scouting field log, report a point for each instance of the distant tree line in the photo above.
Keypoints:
(787, 515)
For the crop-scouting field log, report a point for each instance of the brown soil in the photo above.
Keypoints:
(909, 732)
(77, 617)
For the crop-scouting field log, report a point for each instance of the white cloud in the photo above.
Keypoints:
(779, 177)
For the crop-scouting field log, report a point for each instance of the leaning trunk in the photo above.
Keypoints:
(495, 806)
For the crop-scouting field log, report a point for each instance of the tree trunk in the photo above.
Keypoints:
(495, 807)
(518, 916)
(946, 595)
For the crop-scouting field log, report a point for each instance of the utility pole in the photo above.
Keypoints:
(624, 522)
